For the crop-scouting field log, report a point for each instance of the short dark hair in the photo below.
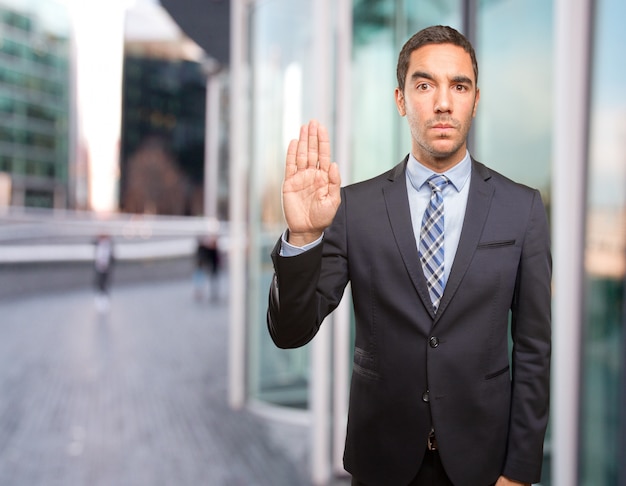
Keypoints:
(436, 34)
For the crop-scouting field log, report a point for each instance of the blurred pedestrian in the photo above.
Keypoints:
(207, 267)
(103, 266)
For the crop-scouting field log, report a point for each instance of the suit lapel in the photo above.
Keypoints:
(478, 203)
(398, 210)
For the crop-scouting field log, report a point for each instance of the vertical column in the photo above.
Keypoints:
(5, 191)
(322, 33)
(571, 89)
(237, 222)
(341, 324)
(470, 14)
(621, 452)
(211, 139)
(470, 30)
(76, 176)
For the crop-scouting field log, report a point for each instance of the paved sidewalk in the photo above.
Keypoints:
(133, 397)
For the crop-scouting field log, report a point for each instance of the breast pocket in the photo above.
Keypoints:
(493, 270)
(495, 244)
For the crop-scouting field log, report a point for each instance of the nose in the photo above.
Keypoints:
(443, 101)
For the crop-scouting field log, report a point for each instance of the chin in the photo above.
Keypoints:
(444, 150)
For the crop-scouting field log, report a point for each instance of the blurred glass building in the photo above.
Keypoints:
(173, 150)
(552, 115)
(163, 131)
(35, 91)
(73, 135)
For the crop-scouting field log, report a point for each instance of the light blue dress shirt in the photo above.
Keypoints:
(454, 203)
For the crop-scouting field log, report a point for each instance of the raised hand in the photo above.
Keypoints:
(311, 192)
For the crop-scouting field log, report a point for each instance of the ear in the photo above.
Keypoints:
(476, 99)
(400, 102)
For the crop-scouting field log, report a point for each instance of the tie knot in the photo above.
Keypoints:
(437, 181)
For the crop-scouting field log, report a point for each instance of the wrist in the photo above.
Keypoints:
(302, 239)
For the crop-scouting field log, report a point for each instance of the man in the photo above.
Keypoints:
(436, 265)
(103, 266)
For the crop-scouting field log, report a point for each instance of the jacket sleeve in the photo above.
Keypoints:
(531, 334)
(306, 288)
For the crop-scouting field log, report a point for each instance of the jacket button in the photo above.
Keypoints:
(434, 342)
(426, 396)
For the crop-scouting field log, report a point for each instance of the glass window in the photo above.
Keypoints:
(374, 115)
(38, 199)
(281, 53)
(16, 20)
(603, 410)
(381, 136)
(5, 164)
(513, 125)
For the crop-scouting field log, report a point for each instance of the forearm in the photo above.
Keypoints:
(308, 286)
(292, 316)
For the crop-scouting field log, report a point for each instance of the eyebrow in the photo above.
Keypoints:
(462, 79)
(455, 79)
(421, 74)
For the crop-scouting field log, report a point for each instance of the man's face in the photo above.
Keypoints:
(439, 100)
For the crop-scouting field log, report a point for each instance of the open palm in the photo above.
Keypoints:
(311, 189)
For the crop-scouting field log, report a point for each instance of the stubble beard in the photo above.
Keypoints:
(428, 146)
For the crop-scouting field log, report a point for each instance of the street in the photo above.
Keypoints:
(134, 396)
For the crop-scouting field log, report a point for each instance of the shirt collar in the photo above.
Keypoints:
(458, 175)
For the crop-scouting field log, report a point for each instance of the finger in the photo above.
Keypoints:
(302, 149)
(324, 148)
(334, 184)
(334, 179)
(313, 152)
(290, 165)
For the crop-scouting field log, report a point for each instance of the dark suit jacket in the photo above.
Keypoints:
(412, 367)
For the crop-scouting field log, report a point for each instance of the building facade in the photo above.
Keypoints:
(35, 91)
(335, 61)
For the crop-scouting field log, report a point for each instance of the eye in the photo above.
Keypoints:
(461, 88)
(422, 87)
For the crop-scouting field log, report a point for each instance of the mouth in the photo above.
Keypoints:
(442, 130)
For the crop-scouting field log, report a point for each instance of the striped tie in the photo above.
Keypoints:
(431, 240)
